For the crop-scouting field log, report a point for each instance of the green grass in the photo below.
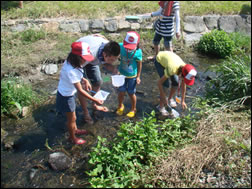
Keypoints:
(241, 41)
(102, 9)
(15, 95)
(233, 80)
(32, 46)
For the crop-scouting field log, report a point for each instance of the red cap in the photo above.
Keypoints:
(189, 73)
(83, 50)
(131, 40)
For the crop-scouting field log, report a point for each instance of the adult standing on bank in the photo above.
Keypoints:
(106, 53)
(164, 26)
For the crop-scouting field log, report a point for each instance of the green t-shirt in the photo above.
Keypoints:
(170, 61)
(128, 64)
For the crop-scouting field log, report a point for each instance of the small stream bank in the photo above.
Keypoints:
(29, 154)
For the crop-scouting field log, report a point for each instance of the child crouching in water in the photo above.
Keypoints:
(130, 66)
(71, 78)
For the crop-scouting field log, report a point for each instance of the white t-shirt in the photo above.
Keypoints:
(94, 42)
(68, 76)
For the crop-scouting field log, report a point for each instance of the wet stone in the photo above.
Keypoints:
(3, 134)
(59, 161)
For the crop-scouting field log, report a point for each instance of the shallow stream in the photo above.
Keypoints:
(26, 164)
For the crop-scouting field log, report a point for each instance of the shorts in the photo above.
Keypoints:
(129, 86)
(167, 40)
(65, 103)
(93, 74)
(174, 78)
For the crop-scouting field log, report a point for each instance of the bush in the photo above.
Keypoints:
(123, 162)
(242, 41)
(233, 80)
(15, 95)
(216, 43)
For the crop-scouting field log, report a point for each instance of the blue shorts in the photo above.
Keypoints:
(65, 103)
(93, 73)
(167, 40)
(129, 86)
(160, 70)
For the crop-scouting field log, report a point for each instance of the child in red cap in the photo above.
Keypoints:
(170, 65)
(130, 66)
(71, 76)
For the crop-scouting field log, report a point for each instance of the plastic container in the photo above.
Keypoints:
(101, 95)
(118, 80)
(178, 99)
(175, 113)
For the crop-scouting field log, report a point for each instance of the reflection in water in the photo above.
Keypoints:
(31, 133)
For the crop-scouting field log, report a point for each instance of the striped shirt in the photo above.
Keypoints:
(165, 24)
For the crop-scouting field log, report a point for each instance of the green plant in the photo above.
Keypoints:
(233, 80)
(124, 162)
(31, 35)
(216, 43)
(242, 41)
(15, 94)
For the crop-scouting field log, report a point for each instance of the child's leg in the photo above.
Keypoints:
(156, 42)
(120, 99)
(133, 100)
(72, 128)
(168, 43)
(131, 92)
(71, 124)
(83, 102)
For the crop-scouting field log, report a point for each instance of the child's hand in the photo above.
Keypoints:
(99, 102)
(86, 85)
(138, 80)
(184, 106)
(178, 35)
(115, 71)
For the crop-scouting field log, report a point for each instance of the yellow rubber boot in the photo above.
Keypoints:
(119, 111)
(131, 114)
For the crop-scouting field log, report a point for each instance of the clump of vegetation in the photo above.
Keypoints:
(242, 42)
(233, 81)
(216, 43)
(15, 95)
(31, 35)
(124, 161)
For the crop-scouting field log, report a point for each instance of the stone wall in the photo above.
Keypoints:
(193, 27)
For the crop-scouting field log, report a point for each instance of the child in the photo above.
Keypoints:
(170, 65)
(164, 26)
(130, 66)
(71, 76)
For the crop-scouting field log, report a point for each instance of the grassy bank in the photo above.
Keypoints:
(102, 9)
(29, 48)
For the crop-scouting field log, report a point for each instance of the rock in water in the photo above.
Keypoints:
(59, 161)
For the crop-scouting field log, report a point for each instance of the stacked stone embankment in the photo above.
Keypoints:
(193, 27)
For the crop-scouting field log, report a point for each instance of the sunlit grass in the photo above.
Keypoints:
(102, 9)
(15, 95)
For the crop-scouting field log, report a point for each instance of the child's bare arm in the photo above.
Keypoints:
(86, 94)
(139, 70)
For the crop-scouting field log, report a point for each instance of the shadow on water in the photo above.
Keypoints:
(30, 134)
